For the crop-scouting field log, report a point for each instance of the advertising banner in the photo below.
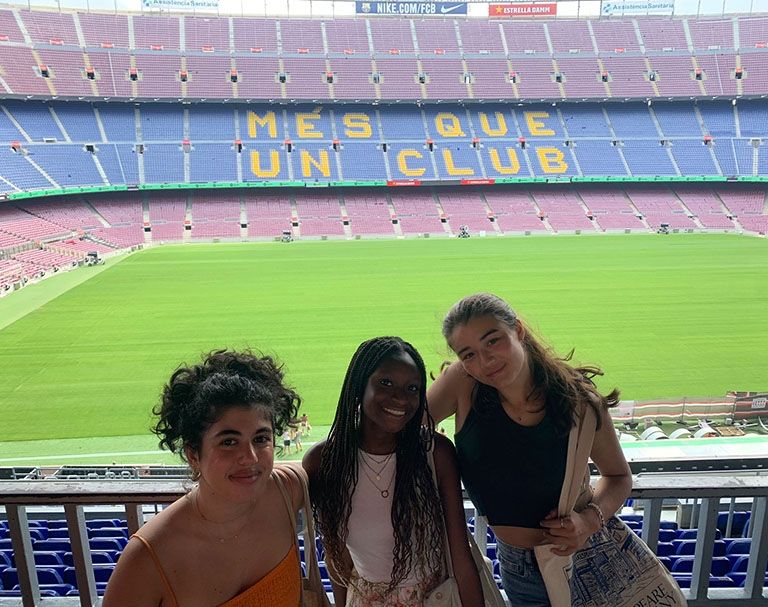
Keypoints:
(181, 5)
(411, 8)
(637, 7)
(510, 11)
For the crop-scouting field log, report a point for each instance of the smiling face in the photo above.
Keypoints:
(492, 352)
(391, 397)
(236, 454)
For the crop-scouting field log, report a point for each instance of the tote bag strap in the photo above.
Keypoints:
(580, 441)
(446, 545)
(308, 532)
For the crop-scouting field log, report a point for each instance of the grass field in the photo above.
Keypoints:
(665, 316)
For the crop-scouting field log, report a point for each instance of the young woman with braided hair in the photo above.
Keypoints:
(380, 514)
(230, 541)
(515, 403)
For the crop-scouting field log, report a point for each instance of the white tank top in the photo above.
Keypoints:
(371, 539)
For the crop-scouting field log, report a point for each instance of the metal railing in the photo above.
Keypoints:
(706, 494)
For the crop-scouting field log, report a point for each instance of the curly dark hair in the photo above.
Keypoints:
(564, 389)
(417, 518)
(196, 396)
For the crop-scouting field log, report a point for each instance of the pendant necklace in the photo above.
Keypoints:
(383, 463)
(384, 492)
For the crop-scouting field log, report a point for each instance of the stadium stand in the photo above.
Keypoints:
(152, 144)
(92, 99)
(177, 57)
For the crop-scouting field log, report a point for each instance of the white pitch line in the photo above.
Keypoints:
(56, 457)
(37, 458)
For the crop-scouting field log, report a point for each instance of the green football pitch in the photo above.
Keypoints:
(83, 355)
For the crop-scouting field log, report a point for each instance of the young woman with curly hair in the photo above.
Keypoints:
(515, 403)
(381, 517)
(229, 542)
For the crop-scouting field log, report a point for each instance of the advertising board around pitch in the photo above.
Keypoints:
(437, 9)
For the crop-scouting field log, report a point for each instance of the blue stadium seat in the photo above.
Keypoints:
(50, 589)
(719, 548)
(684, 564)
(108, 532)
(46, 592)
(48, 558)
(665, 549)
(685, 546)
(740, 578)
(48, 575)
(720, 582)
(691, 534)
(102, 557)
(104, 522)
(112, 543)
(101, 573)
(58, 533)
(45, 575)
(738, 522)
(100, 588)
(668, 525)
(667, 535)
(739, 546)
(720, 566)
(52, 546)
(684, 581)
(740, 566)
(323, 570)
(9, 577)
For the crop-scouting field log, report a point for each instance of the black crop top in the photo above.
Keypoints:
(513, 473)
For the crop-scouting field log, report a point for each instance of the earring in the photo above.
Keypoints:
(194, 474)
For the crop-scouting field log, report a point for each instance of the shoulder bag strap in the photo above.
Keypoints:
(446, 544)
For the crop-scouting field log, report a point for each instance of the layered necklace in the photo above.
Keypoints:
(374, 468)
(217, 535)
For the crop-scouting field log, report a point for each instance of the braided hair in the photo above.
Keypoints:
(416, 514)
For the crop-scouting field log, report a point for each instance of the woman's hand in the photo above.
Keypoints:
(569, 533)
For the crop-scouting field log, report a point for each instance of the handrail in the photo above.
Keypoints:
(651, 491)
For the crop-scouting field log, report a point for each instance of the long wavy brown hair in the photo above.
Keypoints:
(563, 389)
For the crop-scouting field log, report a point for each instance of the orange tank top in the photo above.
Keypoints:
(281, 587)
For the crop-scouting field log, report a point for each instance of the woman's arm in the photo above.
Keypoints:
(615, 482)
(611, 491)
(443, 394)
(449, 487)
(134, 582)
(340, 592)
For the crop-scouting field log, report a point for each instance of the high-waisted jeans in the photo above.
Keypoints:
(520, 576)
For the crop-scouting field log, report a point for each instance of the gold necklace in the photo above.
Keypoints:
(217, 537)
(383, 463)
(384, 492)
